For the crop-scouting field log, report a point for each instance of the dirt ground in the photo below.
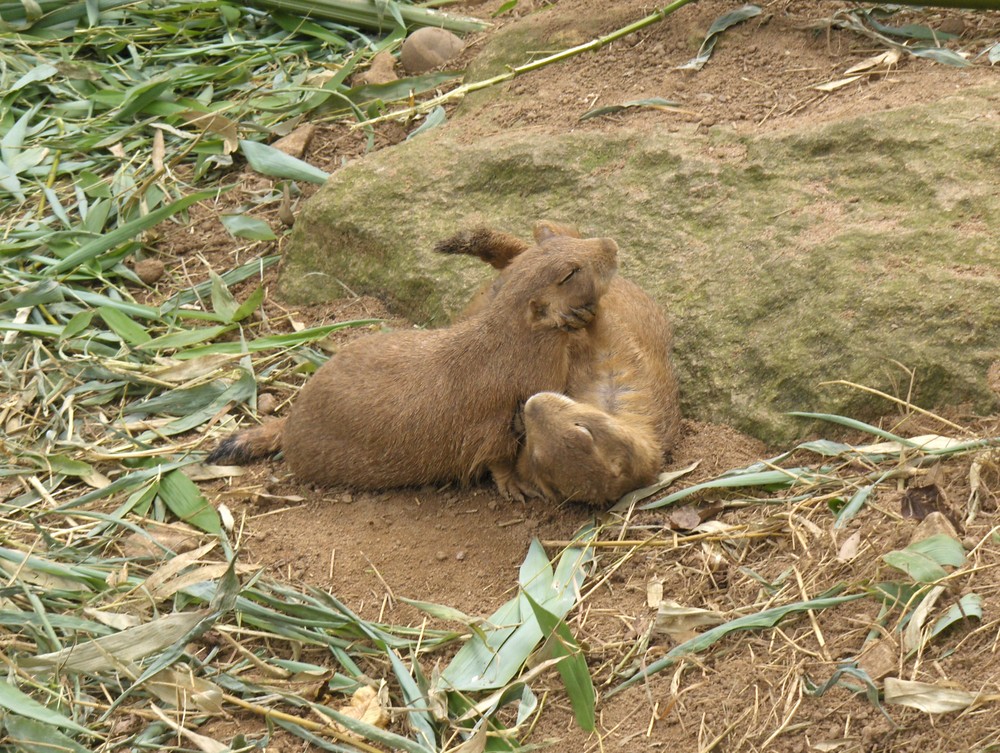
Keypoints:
(462, 546)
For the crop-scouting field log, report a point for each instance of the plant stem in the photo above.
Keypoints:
(368, 15)
(461, 91)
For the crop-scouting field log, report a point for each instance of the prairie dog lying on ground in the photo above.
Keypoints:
(620, 413)
(423, 406)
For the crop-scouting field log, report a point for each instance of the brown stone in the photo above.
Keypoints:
(296, 143)
(381, 70)
(149, 270)
(428, 48)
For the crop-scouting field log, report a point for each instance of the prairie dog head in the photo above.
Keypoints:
(560, 281)
(576, 451)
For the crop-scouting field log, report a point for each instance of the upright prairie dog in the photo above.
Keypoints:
(620, 413)
(423, 406)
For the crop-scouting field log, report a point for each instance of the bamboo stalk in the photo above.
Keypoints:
(461, 91)
(367, 14)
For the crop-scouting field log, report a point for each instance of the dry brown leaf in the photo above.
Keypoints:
(849, 549)
(177, 371)
(932, 699)
(474, 744)
(654, 592)
(368, 705)
(205, 744)
(117, 620)
(914, 637)
(920, 501)
(887, 58)
(176, 538)
(684, 519)
(838, 84)
(201, 472)
(184, 691)
(218, 124)
(159, 150)
(679, 622)
(175, 566)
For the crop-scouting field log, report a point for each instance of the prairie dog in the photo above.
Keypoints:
(423, 406)
(619, 415)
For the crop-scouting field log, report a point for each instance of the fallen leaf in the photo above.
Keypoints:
(684, 519)
(654, 592)
(679, 622)
(368, 705)
(849, 549)
(887, 58)
(932, 699)
(914, 637)
(184, 691)
(838, 84)
(920, 501)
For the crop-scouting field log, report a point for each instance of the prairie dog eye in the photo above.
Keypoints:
(569, 277)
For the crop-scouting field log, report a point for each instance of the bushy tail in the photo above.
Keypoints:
(248, 445)
(493, 247)
(499, 249)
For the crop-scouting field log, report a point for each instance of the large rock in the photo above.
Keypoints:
(785, 260)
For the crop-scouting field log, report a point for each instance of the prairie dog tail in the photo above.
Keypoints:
(248, 445)
(493, 247)
(499, 249)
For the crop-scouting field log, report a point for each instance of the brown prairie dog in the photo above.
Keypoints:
(423, 406)
(620, 413)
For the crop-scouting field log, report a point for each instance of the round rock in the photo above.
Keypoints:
(149, 270)
(428, 48)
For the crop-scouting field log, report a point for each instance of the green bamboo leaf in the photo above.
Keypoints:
(718, 26)
(270, 161)
(788, 477)
(17, 702)
(573, 668)
(969, 606)
(124, 233)
(655, 103)
(76, 325)
(127, 329)
(766, 619)
(924, 560)
(853, 424)
(249, 305)
(223, 302)
(251, 228)
(434, 118)
(181, 495)
(185, 338)
(33, 736)
(852, 507)
(290, 340)
(940, 55)
(46, 291)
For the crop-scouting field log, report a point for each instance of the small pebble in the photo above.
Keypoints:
(440, 556)
(460, 555)
(149, 270)
(266, 403)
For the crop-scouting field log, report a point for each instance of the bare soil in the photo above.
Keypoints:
(462, 546)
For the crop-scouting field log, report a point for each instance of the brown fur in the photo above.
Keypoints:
(622, 414)
(417, 407)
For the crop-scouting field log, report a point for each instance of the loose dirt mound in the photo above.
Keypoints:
(462, 547)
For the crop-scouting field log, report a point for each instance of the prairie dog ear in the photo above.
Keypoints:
(608, 244)
(545, 229)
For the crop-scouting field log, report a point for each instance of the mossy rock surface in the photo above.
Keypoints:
(784, 260)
